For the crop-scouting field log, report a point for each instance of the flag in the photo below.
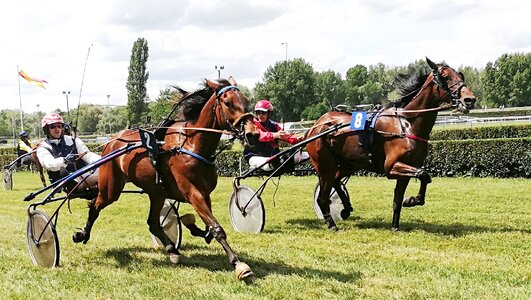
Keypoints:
(35, 81)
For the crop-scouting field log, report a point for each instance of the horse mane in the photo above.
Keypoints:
(406, 85)
(192, 103)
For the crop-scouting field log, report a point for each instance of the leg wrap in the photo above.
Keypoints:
(423, 176)
(218, 232)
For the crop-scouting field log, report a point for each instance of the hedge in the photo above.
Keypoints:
(479, 133)
(476, 158)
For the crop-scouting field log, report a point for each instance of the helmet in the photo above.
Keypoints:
(263, 105)
(51, 118)
(23, 133)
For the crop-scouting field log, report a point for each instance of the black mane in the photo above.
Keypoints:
(406, 86)
(192, 103)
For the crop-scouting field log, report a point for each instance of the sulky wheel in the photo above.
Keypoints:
(7, 176)
(43, 244)
(337, 210)
(171, 224)
(246, 210)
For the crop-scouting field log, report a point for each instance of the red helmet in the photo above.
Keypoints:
(51, 118)
(263, 105)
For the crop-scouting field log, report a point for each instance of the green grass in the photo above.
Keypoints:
(470, 241)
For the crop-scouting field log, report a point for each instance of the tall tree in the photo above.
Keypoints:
(290, 86)
(356, 77)
(330, 88)
(136, 82)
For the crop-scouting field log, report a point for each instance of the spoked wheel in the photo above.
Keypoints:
(246, 210)
(171, 224)
(7, 176)
(43, 244)
(336, 206)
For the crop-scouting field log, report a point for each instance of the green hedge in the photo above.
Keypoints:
(475, 158)
(480, 133)
(480, 158)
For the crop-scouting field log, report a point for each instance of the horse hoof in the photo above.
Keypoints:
(175, 258)
(345, 213)
(409, 202)
(79, 237)
(395, 229)
(333, 228)
(243, 271)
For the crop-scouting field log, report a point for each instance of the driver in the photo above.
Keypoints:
(270, 134)
(61, 154)
(23, 148)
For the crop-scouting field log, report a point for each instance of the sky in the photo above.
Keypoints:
(85, 46)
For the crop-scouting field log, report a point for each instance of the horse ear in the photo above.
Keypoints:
(462, 76)
(211, 84)
(432, 65)
(232, 81)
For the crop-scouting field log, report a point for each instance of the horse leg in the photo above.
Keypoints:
(156, 203)
(425, 179)
(347, 206)
(110, 187)
(402, 170)
(39, 168)
(201, 204)
(188, 220)
(326, 184)
(400, 189)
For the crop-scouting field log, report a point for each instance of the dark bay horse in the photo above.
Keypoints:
(188, 174)
(397, 145)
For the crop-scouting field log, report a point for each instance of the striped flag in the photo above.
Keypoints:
(35, 81)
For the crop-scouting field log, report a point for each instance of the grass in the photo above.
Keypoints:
(470, 241)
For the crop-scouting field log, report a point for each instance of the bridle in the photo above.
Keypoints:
(239, 133)
(454, 90)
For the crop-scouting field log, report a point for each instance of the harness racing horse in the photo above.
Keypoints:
(185, 165)
(396, 144)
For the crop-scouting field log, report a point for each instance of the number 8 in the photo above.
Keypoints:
(357, 121)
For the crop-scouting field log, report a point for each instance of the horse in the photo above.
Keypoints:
(396, 144)
(37, 164)
(185, 166)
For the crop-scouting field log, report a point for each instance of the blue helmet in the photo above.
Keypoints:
(23, 133)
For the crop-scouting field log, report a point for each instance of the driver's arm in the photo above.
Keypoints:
(49, 162)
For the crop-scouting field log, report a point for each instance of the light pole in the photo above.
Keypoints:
(219, 70)
(286, 57)
(66, 93)
(38, 117)
(110, 115)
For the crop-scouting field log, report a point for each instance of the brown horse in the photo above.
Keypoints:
(184, 166)
(396, 144)
(37, 164)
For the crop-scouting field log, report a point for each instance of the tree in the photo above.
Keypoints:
(290, 86)
(507, 82)
(330, 88)
(136, 82)
(161, 107)
(356, 77)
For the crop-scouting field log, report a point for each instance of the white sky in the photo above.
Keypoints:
(50, 40)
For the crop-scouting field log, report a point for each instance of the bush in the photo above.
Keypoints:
(478, 133)
(480, 158)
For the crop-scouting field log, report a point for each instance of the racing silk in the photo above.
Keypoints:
(23, 147)
(267, 145)
(51, 153)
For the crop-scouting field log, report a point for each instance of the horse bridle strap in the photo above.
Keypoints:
(178, 149)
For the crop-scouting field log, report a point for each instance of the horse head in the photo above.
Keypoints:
(453, 83)
(232, 113)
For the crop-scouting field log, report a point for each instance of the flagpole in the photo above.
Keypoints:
(20, 101)
(81, 88)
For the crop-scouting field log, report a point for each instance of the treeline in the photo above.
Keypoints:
(295, 89)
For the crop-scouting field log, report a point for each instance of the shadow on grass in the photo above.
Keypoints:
(216, 262)
(456, 230)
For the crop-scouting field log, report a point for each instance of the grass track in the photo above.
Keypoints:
(470, 241)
